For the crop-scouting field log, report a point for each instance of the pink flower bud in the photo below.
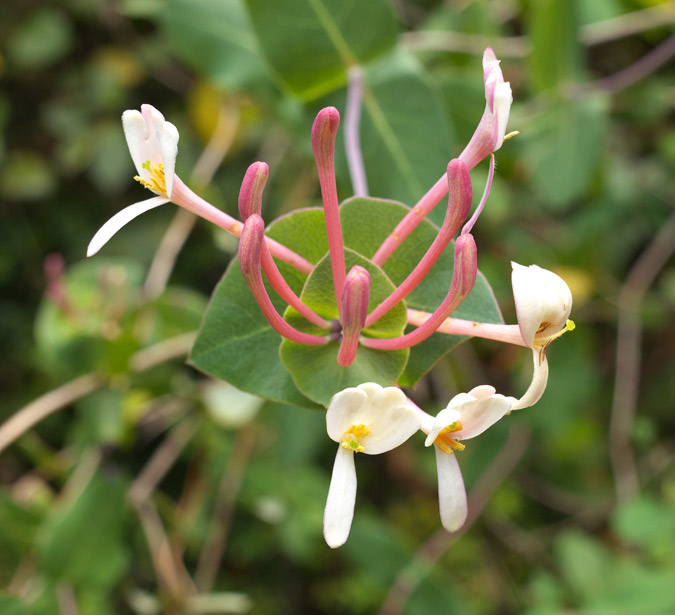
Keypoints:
(250, 246)
(324, 132)
(251, 192)
(355, 295)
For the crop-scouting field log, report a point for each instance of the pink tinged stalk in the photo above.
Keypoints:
(488, 138)
(456, 326)
(250, 247)
(250, 202)
(354, 309)
(187, 199)
(463, 280)
(459, 205)
(324, 132)
(486, 193)
(352, 141)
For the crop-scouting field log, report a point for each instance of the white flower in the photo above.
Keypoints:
(365, 419)
(153, 144)
(543, 305)
(466, 416)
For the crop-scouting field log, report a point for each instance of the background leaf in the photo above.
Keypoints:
(311, 43)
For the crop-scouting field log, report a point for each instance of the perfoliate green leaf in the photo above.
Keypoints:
(315, 369)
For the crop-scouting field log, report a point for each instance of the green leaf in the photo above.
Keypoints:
(81, 542)
(555, 55)
(366, 223)
(236, 343)
(564, 145)
(405, 139)
(215, 38)
(310, 43)
(315, 369)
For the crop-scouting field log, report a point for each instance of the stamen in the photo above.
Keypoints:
(445, 442)
(351, 437)
(511, 135)
(157, 182)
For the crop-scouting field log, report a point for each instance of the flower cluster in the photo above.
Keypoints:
(370, 418)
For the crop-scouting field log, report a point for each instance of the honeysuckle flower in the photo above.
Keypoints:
(489, 136)
(366, 419)
(153, 145)
(543, 305)
(466, 416)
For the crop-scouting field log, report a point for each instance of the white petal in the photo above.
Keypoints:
(119, 220)
(136, 134)
(503, 97)
(540, 296)
(445, 417)
(484, 412)
(342, 410)
(538, 384)
(384, 411)
(339, 512)
(167, 140)
(451, 492)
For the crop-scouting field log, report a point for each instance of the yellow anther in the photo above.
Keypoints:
(511, 135)
(351, 437)
(445, 442)
(157, 182)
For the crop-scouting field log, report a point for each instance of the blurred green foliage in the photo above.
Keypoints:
(165, 492)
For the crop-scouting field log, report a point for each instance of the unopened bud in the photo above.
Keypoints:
(251, 192)
(466, 264)
(461, 193)
(355, 296)
(250, 245)
(324, 132)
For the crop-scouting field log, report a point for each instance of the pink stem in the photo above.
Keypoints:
(459, 204)
(463, 280)
(411, 220)
(324, 132)
(184, 197)
(456, 326)
(250, 248)
(488, 186)
(352, 140)
(286, 292)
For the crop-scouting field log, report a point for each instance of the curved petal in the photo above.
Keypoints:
(445, 417)
(342, 411)
(503, 98)
(391, 429)
(541, 297)
(339, 512)
(119, 220)
(484, 412)
(538, 384)
(136, 134)
(451, 492)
